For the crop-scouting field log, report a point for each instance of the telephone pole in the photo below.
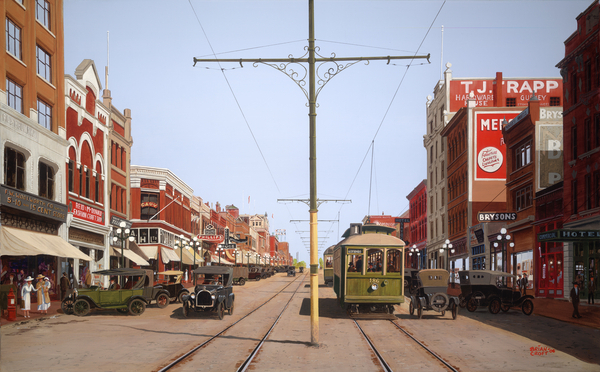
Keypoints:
(333, 67)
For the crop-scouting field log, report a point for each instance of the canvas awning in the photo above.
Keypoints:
(137, 250)
(151, 251)
(188, 257)
(215, 259)
(17, 242)
(168, 255)
(132, 256)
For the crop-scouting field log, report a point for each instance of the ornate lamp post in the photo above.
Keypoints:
(122, 235)
(413, 249)
(503, 238)
(179, 244)
(219, 250)
(235, 252)
(248, 255)
(447, 246)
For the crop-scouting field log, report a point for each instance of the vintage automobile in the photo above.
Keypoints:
(301, 269)
(432, 294)
(490, 288)
(240, 275)
(411, 280)
(171, 281)
(291, 271)
(137, 292)
(255, 272)
(214, 295)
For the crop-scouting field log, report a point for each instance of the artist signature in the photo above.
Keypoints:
(540, 350)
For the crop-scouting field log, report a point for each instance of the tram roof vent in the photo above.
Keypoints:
(355, 229)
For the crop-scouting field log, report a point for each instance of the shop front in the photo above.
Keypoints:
(584, 245)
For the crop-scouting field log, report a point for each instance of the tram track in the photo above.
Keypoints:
(244, 365)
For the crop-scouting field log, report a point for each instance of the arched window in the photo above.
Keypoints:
(14, 168)
(46, 181)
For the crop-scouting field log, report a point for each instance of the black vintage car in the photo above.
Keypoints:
(291, 271)
(171, 281)
(490, 288)
(255, 272)
(431, 293)
(215, 294)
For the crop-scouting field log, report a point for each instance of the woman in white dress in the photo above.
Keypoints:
(26, 296)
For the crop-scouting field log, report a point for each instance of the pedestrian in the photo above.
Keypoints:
(64, 285)
(574, 298)
(592, 289)
(519, 282)
(524, 282)
(43, 295)
(88, 278)
(186, 275)
(26, 296)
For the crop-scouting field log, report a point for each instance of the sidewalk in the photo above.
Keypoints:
(559, 309)
(53, 310)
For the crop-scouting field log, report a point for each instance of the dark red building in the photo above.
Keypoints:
(417, 251)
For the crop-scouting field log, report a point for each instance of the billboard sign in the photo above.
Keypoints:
(490, 150)
(519, 89)
(549, 147)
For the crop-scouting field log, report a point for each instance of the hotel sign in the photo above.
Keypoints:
(563, 235)
(33, 204)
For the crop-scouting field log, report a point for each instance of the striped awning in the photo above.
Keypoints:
(168, 255)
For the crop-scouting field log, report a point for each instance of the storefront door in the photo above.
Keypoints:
(551, 281)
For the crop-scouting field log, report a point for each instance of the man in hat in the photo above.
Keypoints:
(113, 284)
(592, 289)
(574, 298)
(64, 285)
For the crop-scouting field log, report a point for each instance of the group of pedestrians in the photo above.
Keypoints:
(42, 287)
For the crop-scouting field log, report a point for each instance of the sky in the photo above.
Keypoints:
(240, 135)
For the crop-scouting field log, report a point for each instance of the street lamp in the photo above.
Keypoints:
(235, 252)
(219, 250)
(180, 243)
(412, 250)
(447, 245)
(122, 235)
(247, 255)
(503, 238)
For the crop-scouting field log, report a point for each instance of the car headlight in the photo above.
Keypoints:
(374, 286)
(213, 297)
(192, 296)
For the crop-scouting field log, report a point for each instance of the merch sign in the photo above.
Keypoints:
(491, 217)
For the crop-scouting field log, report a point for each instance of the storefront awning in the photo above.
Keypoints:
(215, 259)
(188, 257)
(168, 255)
(132, 256)
(151, 251)
(137, 250)
(17, 242)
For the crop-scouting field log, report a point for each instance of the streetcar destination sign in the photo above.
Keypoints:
(484, 216)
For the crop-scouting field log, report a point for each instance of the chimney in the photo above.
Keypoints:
(498, 91)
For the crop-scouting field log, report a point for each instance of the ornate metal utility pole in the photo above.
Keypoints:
(283, 65)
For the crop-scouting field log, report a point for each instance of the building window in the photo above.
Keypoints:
(574, 142)
(523, 155)
(574, 197)
(588, 191)
(574, 88)
(597, 188)
(43, 64)
(554, 101)
(87, 183)
(511, 102)
(13, 39)
(442, 115)
(149, 206)
(71, 175)
(80, 180)
(97, 187)
(42, 12)
(597, 130)
(14, 95)
(523, 198)
(588, 75)
(46, 181)
(588, 134)
(44, 114)
(14, 169)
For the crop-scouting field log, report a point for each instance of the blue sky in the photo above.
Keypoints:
(204, 124)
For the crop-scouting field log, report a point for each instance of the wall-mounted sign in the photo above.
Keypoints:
(489, 217)
(149, 204)
(116, 221)
(490, 150)
(549, 151)
(33, 204)
(211, 238)
(87, 213)
(565, 235)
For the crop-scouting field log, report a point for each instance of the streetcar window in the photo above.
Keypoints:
(374, 260)
(354, 263)
(394, 261)
(328, 262)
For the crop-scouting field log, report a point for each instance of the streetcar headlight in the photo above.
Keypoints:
(374, 286)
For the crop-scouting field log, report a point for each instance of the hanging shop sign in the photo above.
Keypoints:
(566, 235)
(33, 204)
(116, 221)
(491, 216)
(211, 238)
(87, 213)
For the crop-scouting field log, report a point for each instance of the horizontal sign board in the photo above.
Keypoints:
(488, 217)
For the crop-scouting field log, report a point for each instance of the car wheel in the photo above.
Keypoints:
(472, 305)
(444, 313)
(462, 302)
(242, 281)
(220, 310)
(180, 297)
(504, 307)
(495, 306)
(186, 310)
(137, 307)
(257, 278)
(162, 300)
(440, 301)
(81, 307)
(419, 310)
(411, 308)
(454, 311)
(67, 306)
(231, 308)
(527, 307)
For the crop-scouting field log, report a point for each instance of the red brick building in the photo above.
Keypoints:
(417, 251)
(581, 189)
(533, 163)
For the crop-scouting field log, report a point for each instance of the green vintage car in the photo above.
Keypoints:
(137, 292)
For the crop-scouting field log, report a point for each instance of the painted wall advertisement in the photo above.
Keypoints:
(519, 89)
(87, 213)
(490, 150)
(549, 146)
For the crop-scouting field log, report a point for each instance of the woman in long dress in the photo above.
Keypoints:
(26, 296)
(43, 294)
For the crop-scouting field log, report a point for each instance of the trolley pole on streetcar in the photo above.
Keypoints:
(311, 59)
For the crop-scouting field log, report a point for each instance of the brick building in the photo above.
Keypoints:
(417, 199)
